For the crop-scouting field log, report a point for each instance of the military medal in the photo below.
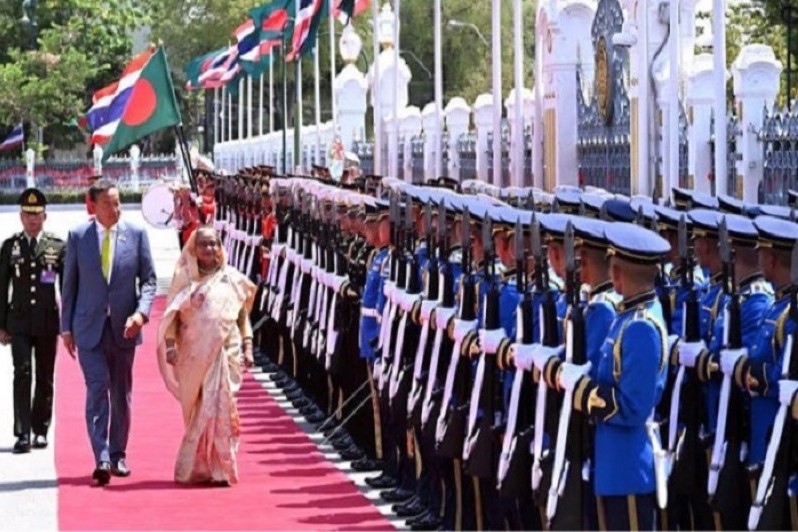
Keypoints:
(16, 256)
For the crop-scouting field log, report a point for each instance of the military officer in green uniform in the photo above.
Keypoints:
(30, 263)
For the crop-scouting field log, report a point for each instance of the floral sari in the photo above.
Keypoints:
(207, 317)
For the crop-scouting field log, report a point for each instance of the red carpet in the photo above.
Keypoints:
(286, 484)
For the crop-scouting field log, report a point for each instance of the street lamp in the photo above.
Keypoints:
(461, 24)
(29, 19)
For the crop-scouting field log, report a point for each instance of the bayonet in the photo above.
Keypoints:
(530, 201)
(570, 265)
(520, 259)
(640, 218)
(555, 205)
(794, 265)
(466, 240)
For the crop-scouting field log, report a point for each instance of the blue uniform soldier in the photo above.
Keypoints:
(619, 393)
(758, 367)
(372, 303)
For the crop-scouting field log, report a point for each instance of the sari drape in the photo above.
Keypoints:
(206, 316)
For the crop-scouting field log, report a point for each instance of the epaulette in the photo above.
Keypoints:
(759, 286)
(456, 255)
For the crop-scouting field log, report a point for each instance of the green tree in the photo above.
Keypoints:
(49, 70)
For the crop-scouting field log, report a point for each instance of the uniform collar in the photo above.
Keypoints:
(639, 300)
(606, 286)
(751, 279)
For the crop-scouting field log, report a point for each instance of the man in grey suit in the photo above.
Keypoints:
(109, 286)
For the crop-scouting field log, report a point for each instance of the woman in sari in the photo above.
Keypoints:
(204, 334)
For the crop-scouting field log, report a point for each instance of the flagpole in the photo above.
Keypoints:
(240, 109)
(229, 116)
(285, 105)
(496, 37)
(394, 164)
(298, 96)
(376, 93)
(260, 105)
(271, 89)
(333, 103)
(438, 90)
(518, 63)
(317, 97)
(215, 116)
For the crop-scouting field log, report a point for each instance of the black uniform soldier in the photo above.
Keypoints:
(30, 262)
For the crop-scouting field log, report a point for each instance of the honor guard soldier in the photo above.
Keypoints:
(758, 367)
(30, 263)
(620, 392)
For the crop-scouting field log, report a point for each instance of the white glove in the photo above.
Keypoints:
(729, 359)
(571, 373)
(219, 225)
(405, 300)
(787, 391)
(387, 288)
(523, 355)
(426, 309)
(489, 340)
(306, 265)
(689, 351)
(254, 240)
(543, 353)
(336, 281)
(442, 317)
(277, 249)
(462, 328)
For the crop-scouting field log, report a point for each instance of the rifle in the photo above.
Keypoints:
(452, 419)
(549, 336)
(684, 452)
(431, 298)
(447, 296)
(731, 429)
(771, 492)
(572, 432)
(515, 462)
(480, 451)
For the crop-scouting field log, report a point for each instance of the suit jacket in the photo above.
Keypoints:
(87, 299)
(32, 308)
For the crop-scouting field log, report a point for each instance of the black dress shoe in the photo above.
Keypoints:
(327, 426)
(366, 464)
(120, 468)
(102, 474)
(300, 402)
(39, 441)
(427, 521)
(343, 442)
(270, 367)
(352, 453)
(316, 417)
(294, 393)
(396, 495)
(382, 482)
(341, 435)
(310, 409)
(22, 445)
(412, 508)
(277, 375)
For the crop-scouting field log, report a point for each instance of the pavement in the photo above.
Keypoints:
(28, 486)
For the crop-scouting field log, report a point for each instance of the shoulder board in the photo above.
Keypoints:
(760, 286)
(53, 236)
(456, 255)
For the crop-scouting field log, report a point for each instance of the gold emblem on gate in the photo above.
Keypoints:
(603, 80)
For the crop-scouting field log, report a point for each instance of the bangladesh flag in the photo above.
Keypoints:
(150, 107)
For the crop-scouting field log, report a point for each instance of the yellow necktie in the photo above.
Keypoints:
(105, 254)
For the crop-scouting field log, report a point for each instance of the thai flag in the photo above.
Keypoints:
(109, 103)
(15, 139)
(222, 69)
(308, 9)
